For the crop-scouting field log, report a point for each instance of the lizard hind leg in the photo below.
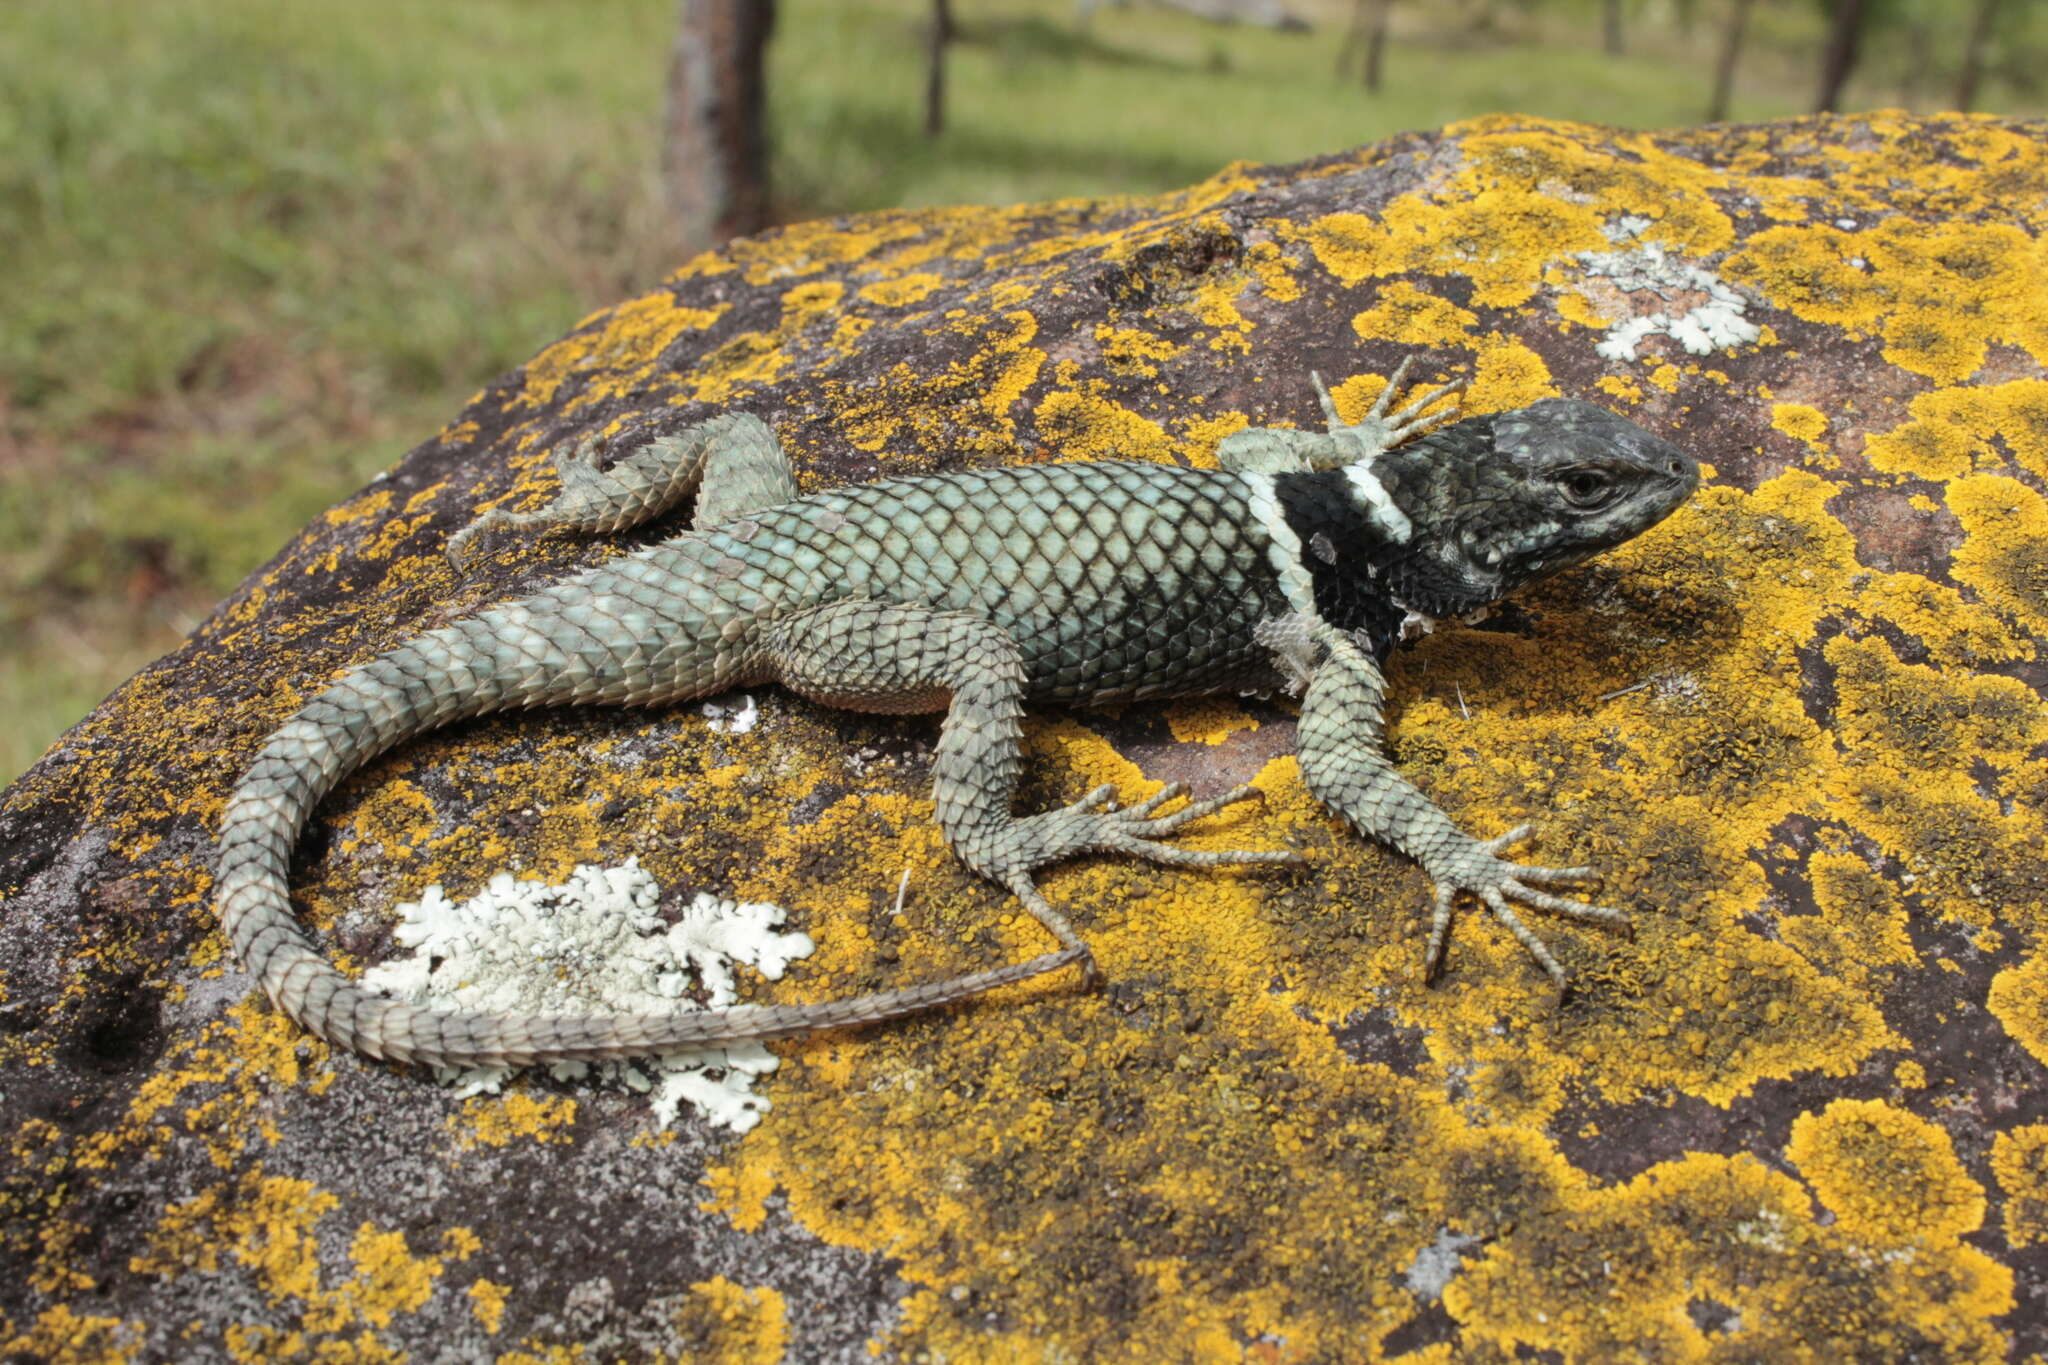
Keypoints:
(881, 657)
(1095, 824)
(730, 462)
(745, 470)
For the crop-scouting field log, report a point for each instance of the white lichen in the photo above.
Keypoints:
(1717, 323)
(1436, 1263)
(594, 945)
(732, 718)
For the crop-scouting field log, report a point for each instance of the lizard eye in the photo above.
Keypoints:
(1586, 487)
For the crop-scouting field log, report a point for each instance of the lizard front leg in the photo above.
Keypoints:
(732, 462)
(872, 656)
(1345, 767)
(1282, 450)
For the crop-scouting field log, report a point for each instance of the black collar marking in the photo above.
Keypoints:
(1345, 555)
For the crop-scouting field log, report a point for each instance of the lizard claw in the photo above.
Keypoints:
(1479, 870)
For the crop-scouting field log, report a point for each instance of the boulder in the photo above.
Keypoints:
(1800, 728)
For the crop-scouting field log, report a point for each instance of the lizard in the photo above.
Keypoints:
(1294, 564)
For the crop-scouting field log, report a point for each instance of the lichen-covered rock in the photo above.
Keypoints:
(1801, 726)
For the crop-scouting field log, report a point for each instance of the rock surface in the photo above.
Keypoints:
(1800, 726)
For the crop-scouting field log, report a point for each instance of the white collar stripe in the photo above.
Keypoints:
(1283, 547)
(1372, 495)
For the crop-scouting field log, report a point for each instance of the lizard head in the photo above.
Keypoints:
(1501, 500)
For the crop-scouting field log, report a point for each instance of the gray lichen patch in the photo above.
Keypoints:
(594, 945)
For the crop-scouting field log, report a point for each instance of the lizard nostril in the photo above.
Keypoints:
(1677, 468)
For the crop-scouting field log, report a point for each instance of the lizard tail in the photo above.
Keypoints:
(436, 678)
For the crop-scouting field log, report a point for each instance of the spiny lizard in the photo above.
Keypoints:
(1295, 564)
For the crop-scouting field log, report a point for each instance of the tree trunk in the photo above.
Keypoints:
(1354, 34)
(1844, 39)
(1376, 45)
(1731, 52)
(714, 156)
(1612, 27)
(1973, 55)
(937, 36)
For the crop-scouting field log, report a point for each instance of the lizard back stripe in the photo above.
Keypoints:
(1345, 549)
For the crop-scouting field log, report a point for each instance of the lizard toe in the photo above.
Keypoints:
(1543, 900)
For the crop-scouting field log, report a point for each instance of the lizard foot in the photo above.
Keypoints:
(1095, 824)
(1480, 870)
(462, 545)
(577, 466)
(1383, 430)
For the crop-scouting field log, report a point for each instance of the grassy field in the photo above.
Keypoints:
(250, 252)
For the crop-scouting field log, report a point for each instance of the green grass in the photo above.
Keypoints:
(250, 252)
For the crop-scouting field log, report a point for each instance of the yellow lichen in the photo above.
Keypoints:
(1800, 421)
(2019, 1000)
(1890, 1177)
(2019, 1162)
(1207, 720)
(722, 1323)
(1080, 426)
(219, 1081)
(903, 289)
(1508, 375)
(608, 357)
(487, 1301)
(1352, 247)
(264, 1222)
(1127, 350)
(1405, 314)
(1622, 387)
(1500, 238)
(1612, 1274)
(1860, 929)
(805, 248)
(1940, 293)
(1273, 269)
(389, 1279)
(1957, 633)
(494, 1121)
(741, 1193)
(60, 1336)
(1200, 436)
(265, 1225)
(2004, 555)
(1214, 305)
(544, 1354)
(1016, 364)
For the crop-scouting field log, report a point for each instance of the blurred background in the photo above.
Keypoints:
(253, 250)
